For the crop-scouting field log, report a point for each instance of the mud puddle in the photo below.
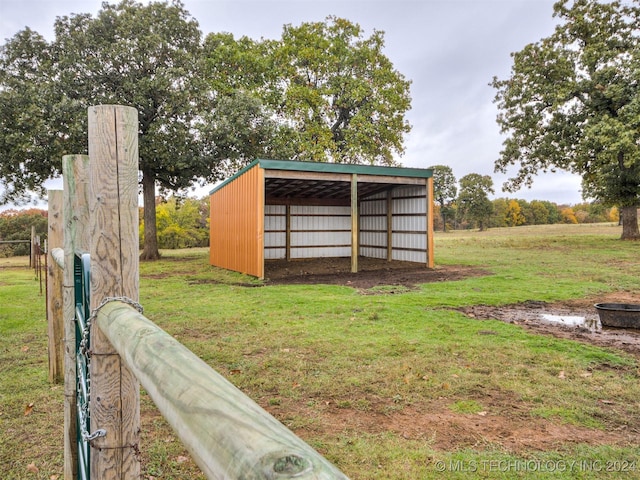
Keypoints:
(575, 319)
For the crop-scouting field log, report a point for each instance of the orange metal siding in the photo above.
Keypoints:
(237, 224)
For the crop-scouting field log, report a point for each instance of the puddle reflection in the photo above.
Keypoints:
(591, 324)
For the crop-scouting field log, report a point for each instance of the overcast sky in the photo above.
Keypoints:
(449, 49)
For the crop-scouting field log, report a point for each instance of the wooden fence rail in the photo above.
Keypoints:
(228, 435)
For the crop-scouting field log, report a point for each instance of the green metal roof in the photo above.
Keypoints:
(298, 166)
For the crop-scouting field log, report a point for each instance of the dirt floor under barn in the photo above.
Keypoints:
(444, 429)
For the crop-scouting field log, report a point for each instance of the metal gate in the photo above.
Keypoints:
(82, 278)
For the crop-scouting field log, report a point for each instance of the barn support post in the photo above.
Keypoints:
(354, 223)
(113, 186)
(389, 225)
(429, 228)
(55, 320)
(288, 232)
(75, 175)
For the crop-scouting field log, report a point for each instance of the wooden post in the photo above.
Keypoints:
(429, 232)
(113, 187)
(354, 223)
(75, 175)
(55, 318)
(227, 433)
(389, 225)
(32, 248)
(288, 232)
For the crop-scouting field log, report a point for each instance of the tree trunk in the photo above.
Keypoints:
(150, 249)
(629, 216)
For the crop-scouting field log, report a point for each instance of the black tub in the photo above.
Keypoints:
(622, 315)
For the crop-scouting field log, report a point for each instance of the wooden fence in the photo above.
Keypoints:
(228, 435)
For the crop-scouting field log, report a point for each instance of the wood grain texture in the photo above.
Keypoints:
(430, 254)
(355, 248)
(228, 435)
(113, 186)
(55, 319)
(75, 175)
(389, 225)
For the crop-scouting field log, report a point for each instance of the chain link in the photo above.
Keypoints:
(83, 410)
(87, 326)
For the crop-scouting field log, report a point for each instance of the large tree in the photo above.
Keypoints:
(145, 56)
(573, 102)
(444, 191)
(474, 205)
(330, 92)
(340, 94)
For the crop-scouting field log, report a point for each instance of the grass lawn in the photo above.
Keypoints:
(387, 384)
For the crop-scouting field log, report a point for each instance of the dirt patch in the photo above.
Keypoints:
(371, 273)
(506, 424)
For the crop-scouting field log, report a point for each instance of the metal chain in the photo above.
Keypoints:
(83, 411)
(84, 432)
(87, 326)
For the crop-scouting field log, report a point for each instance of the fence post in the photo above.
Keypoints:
(55, 318)
(32, 249)
(115, 392)
(75, 175)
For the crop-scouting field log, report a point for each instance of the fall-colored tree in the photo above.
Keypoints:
(513, 215)
(182, 223)
(567, 215)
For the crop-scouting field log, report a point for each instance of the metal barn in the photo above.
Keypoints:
(283, 209)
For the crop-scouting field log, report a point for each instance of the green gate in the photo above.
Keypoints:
(82, 278)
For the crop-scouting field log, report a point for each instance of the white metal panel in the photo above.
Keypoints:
(275, 209)
(272, 223)
(373, 223)
(275, 253)
(413, 206)
(410, 191)
(379, 207)
(374, 252)
(373, 227)
(378, 239)
(316, 231)
(409, 241)
(410, 224)
(275, 239)
(310, 239)
(325, 231)
(409, 256)
(317, 252)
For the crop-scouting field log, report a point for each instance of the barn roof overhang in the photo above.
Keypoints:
(288, 181)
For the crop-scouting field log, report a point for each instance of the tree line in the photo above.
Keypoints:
(181, 223)
(324, 91)
(184, 222)
(466, 204)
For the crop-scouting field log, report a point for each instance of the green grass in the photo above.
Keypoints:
(339, 367)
